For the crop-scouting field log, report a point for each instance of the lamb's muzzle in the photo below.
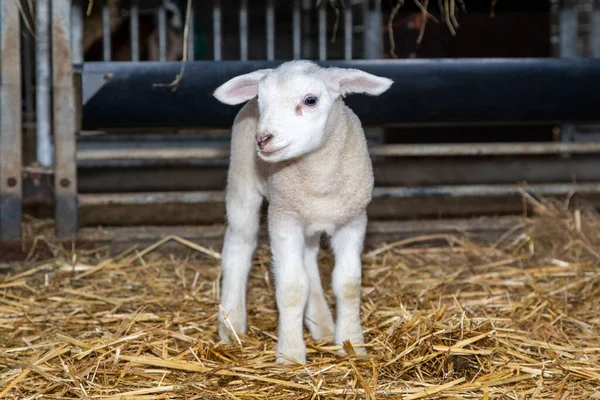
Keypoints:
(262, 139)
(298, 145)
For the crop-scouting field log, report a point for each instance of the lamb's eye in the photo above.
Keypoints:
(310, 101)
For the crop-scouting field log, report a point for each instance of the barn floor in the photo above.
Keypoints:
(445, 317)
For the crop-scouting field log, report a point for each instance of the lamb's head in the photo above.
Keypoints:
(295, 101)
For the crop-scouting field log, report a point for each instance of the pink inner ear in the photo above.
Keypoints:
(357, 85)
(246, 90)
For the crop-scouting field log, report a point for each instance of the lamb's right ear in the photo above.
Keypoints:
(241, 88)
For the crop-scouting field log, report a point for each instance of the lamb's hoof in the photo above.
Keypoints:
(324, 330)
(225, 334)
(227, 328)
(291, 356)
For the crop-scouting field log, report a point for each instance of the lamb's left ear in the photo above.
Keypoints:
(241, 88)
(349, 80)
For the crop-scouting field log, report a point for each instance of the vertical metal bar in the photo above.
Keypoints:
(348, 31)
(10, 122)
(106, 32)
(65, 171)
(323, 31)
(270, 30)
(135, 31)
(567, 20)
(554, 31)
(190, 42)
(217, 30)
(373, 43)
(373, 49)
(28, 72)
(595, 31)
(296, 30)
(307, 29)
(162, 32)
(567, 48)
(243, 30)
(77, 31)
(42, 87)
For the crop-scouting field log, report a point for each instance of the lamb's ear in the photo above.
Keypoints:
(349, 80)
(241, 88)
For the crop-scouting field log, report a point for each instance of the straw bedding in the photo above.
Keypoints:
(445, 317)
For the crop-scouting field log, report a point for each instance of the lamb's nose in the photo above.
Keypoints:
(263, 139)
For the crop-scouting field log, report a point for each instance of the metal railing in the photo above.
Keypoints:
(307, 39)
(285, 29)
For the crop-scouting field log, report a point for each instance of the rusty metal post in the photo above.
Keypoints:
(65, 172)
(10, 122)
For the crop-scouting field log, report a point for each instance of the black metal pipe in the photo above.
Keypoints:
(425, 92)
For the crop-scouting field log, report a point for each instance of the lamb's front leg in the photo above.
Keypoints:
(347, 243)
(291, 285)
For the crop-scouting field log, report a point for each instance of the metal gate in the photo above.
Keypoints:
(139, 87)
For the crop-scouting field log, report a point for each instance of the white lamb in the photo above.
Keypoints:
(298, 145)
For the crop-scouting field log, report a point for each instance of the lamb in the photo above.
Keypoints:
(298, 145)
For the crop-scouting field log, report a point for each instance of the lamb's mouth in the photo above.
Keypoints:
(271, 152)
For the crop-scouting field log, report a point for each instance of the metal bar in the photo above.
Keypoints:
(296, 27)
(348, 31)
(552, 189)
(95, 154)
(10, 122)
(307, 42)
(106, 32)
(77, 31)
(217, 40)
(243, 30)
(86, 200)
(554, 28)
(568, 48)
(549, 95)
(28, 71)
(372, 39)
(567, 20)
(191, 35)
(484, 149)
(135, 30)
(391, 150)
(204, 174)
(323, 31)
(270, 30)
(42, 56)
(122, 238)
(595, 31)
(65, 172)
(162, 32)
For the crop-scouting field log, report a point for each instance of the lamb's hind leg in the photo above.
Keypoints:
(317, 315)
(243, 211)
